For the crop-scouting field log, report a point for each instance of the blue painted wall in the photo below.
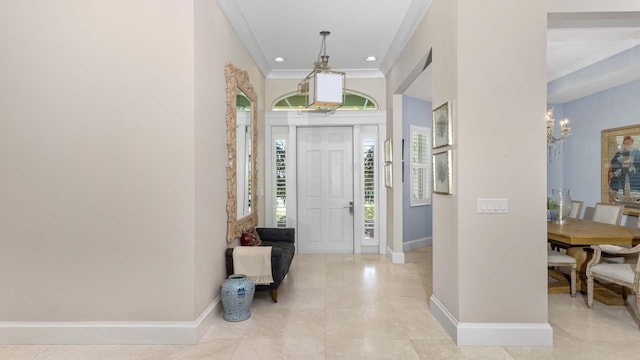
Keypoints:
(588, 116)
(417, 220)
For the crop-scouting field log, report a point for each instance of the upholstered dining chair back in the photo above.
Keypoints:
(626, 273)
(576, 209)
(608, 213)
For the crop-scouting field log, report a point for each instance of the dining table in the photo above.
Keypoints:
(577, 236)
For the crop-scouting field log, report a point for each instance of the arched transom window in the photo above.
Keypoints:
(352, 101)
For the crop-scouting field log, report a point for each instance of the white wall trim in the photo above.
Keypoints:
(448, 322)
(417, 244)
(356, 119)
(491, 334)
(268, 178)
(358, 190)
(395, 257)
(109, 332)
(339, 118)
(382, 191)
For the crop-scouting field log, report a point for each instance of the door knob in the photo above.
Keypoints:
(350, 207)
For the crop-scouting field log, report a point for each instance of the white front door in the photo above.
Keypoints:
(325, 190)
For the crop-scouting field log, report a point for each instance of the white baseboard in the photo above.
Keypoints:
(395, 257)
(109, 332)
(417, 244)
(491, 334)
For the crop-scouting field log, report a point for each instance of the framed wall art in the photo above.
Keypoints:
(388, 175)
(388, 151)
(442, 173)
(441, 119)
(620, 168)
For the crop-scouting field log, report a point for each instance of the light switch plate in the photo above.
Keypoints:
(493, 206)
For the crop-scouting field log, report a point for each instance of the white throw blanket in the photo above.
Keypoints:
(255, 262)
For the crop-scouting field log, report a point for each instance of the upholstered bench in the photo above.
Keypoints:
(282, 241)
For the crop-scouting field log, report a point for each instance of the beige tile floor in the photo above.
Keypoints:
(363, 307)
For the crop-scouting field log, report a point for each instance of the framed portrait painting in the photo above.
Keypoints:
(388, 151)
(620, 167)
(441, 125)
(442, 173)
(388, 175)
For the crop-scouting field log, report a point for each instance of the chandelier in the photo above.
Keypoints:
(565, 130)
(323, 89)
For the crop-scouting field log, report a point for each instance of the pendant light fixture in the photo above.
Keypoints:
(323, 89)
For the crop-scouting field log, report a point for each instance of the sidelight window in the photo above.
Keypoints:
(280, 146)
(369, 177)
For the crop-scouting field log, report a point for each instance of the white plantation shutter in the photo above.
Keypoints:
(280, 182)
(420, 166)
(369, 188)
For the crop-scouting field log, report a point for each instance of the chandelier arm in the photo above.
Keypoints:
(565, 130)
(556, 139)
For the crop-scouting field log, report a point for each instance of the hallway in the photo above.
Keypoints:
(364, 307)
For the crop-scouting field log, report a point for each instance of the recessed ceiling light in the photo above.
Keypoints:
(279, 59)
(370, 58)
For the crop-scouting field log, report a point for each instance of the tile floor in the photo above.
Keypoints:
(363, 307)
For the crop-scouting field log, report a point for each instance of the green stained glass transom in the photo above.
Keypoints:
(352, 101)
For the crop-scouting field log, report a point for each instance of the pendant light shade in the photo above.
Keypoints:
(323, 89)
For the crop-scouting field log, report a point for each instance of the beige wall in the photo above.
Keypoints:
(502, 90)
(112, 147)
(489, 61)
(216, 44)
(441, 16)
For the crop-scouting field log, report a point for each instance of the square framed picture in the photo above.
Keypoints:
(388, 175)
(388, 151)
(442, 173)
(441, 125)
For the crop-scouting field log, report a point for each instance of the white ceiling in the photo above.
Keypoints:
(291, 29)
(382, 28)
(569, 50)
(591, 52)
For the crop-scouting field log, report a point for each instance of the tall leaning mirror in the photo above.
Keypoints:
(242, 139)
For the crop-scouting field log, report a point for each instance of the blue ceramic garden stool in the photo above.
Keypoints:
(237, 295)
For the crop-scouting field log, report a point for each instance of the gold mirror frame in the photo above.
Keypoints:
(239, 80)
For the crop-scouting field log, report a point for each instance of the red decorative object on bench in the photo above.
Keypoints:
(250, 238)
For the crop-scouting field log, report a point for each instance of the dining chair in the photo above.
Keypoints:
(626, 274)
(576, 209)
(608, 213)
(558, 259)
